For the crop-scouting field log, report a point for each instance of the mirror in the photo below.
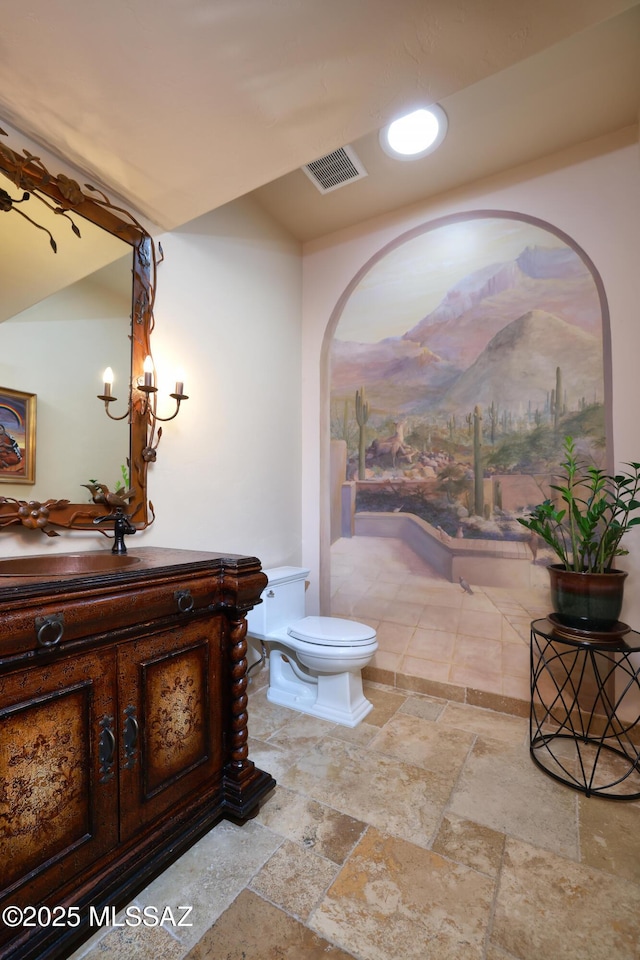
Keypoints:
(64, 317)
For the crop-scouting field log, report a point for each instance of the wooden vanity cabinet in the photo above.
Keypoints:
(123, 731)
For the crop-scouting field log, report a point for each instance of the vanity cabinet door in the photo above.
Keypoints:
(58, 774)
(170, 705)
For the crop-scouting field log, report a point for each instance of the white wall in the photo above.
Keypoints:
(592, 193)
(227, 477)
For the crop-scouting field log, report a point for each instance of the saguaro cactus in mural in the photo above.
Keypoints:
(557, 409)
(469, 422)
(493, 420)
(478, 486)
(362, 415)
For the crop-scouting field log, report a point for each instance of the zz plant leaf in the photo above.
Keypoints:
(592, 512)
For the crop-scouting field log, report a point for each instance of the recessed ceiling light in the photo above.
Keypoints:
(416, 134)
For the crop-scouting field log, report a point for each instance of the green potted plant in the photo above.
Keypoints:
(584, 525)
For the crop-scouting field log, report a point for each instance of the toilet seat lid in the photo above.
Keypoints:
(331, 630)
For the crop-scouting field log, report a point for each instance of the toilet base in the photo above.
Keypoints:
(338, 697)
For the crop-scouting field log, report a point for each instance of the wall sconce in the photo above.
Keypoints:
(146, 406)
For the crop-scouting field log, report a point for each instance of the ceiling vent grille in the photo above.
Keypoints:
(335, 170)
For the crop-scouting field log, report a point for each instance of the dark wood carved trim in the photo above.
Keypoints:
(238, 764)
(242, 780)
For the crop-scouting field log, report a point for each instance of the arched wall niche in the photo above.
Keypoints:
(490, 313)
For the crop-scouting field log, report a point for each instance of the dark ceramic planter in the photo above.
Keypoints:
(587, 601)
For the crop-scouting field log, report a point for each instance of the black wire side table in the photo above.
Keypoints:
(584, 723)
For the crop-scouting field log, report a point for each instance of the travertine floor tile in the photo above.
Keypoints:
(486, 723)
(311, 824)
(267, 756)
(295, 878)
(252, 929)
(300, 732)
(610, 836)
(494, 952)
(502, 788)
(425, 743)
(395, 900)
(548, 907)
(424, 707)
(265, 718)
(212, 873)
(362, 734)
(145, 943)
(401, 798)
(470, 843)
(385, 704)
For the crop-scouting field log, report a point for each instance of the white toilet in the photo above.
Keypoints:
(315, 663)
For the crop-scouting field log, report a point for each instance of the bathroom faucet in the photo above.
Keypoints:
(121, 526)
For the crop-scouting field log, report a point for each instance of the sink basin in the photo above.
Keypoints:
(65, 563)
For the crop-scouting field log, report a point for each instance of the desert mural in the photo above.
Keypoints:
(462, 357)
(461, 361)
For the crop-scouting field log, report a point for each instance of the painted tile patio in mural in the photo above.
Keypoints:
(463, 355)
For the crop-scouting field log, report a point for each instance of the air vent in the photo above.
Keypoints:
(335, 170)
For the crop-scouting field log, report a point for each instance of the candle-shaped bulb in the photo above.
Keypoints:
(108, 381)
(148, 371)
(179, 382)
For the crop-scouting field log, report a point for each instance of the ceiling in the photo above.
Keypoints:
(179, 106)
(577, 90)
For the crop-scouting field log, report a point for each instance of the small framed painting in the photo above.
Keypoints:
(17, 436)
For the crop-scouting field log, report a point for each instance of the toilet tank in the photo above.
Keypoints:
(282, 601)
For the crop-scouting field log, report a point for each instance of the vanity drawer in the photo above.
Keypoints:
(47, 626)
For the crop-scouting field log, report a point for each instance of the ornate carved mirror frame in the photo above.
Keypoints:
(29, 174)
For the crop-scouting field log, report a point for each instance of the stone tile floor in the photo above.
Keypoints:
(425, 833)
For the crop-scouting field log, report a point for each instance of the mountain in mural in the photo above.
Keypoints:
(518, 366)
(393, 371)
(545, 299)
(554, 280)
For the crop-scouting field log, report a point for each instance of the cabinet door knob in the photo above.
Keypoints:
(184, 600)
(49, 629)
(271, 593)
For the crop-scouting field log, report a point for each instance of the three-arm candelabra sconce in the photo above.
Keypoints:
(146, 407)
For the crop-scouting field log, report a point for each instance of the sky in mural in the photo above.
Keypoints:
(410, 281)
